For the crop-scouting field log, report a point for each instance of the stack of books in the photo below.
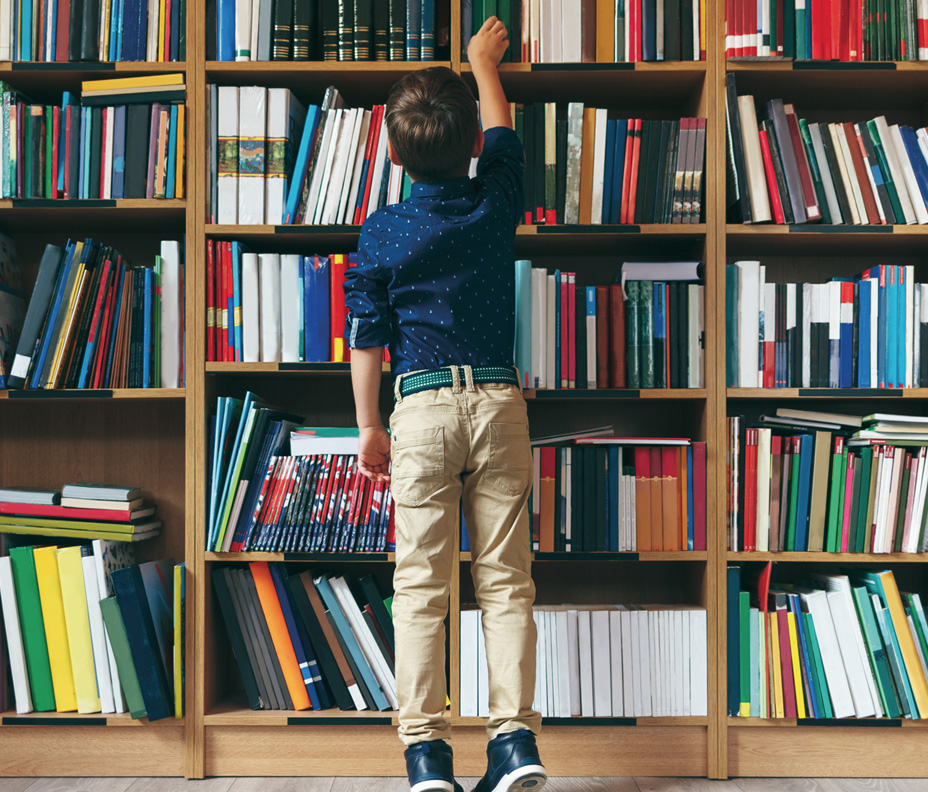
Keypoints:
(861, 30)
(618, 494)
(787, 170)
(94, 30)
(365, 30)
(865, 332)
(816, 481)
(831, 646)
(646, 330)
(12, 305)
(601, 31)
(94, 321)
(88, 629)
(123, 138)
(308, 642)
(602, 661)
(80, 511)
(589, 169)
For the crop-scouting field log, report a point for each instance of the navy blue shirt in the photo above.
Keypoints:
(435, 277)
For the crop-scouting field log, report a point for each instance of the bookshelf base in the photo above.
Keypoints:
(354, 750)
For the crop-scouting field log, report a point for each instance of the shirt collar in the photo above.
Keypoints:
(449, 188)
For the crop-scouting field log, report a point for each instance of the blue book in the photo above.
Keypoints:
(427, 36)
(618, 170)
(864, 319)
(689, 498)
(147, 337)
(141, 44)
(660, 335)
(612, 491)
(846, 343)
(277, 575)
(88, 138)
(891, 644)
(114, 27)
(313, 114)
(522, 352)
(39, 361)
(119, 152)
(916, 160)
(172, 153)
(225, 407)
(228, 472)
(143, 641)
(235, 327)
(316, 308)
(341, 625)
(52, 10)
(608, 169)
(413, 30)
(648, 30)
(225, 21)
(25, 33)
(80, 154)
(812, 692)
(67, 98)
(899, 316)
(805, 481)
(465, 537)
(121, 23)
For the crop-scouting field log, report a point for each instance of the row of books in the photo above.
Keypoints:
(123, 138)
(828, 646)
(308, 642)
(589, 169)
(843, 30)
(273, 307)
(360, 30)
(79, 511)
(787, 170)
(635, 333)
(865, 332)
(88, 629)
(619, 494)
(602, 31)
(595, 661)
(94, 321)
(93, 30)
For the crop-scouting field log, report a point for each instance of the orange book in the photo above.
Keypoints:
(605, 31)
(280, 635)
(657, 518)
(587, 146)
(669, 481)
(546, 529)
(642, 498)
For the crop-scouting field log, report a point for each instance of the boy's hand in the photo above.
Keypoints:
(374, 453)
(486, 48)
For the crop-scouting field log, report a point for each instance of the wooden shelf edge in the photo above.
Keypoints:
(663, 67)
(319, 558)
(578, 232)
(648, 555)
(835, 558)
(42, 719)
(102, 204)
(324, 67)
(827, 393)
(90, 394)
(820, 723)
(103, 68)
(839, 67)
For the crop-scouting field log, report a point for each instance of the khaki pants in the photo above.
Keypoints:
(469, 442)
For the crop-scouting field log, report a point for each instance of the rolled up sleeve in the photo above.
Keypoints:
(366, 298)
(502, 164)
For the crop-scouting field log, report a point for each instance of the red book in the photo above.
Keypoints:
(67, 151)
(846, 34)
(376, 124)
(572, 329)
(670, 477)
(337, 310)
(166, 40)
(751, 43)
(729, 28)
(657, 508)
(602, 337)
(56, 129)
(62, 31)
(67, 512)
(564, 320)
(750, 490)
(371, 136)
(546, 528)
(618, 363)
(857, 22)
(699, 496)
(98, 305)
(237, 545)
(39, 17)
(741, 25)
(210, 302)
(778, 216)
(391, 524)
(642, 498)
(786, 660)
(100, 353)
(837, 24)
(633, 176)
(810, 200)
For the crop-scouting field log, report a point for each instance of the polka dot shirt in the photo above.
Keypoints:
(435, 278)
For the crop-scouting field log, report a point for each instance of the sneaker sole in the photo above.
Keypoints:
(529, 778)
(432, 785)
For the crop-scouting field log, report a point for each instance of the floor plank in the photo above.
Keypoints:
(181, 785)
(591, 785)
(829, 784)
(81, 784)
(15, 784)
(281, 785)
(684, 785)
(370, 785)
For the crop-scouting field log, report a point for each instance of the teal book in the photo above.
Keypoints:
(632, 329)
(754, 662)
(732, 275)
(876, 652)
(116, 633)
(522, 352)
(819, 668)
(896, 664)
(30, 619)
(866, 460)
(646, 334)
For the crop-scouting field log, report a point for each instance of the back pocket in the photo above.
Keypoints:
(418, 465)
(510, 463)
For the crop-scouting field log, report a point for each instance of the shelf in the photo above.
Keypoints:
(335, 68)
(75, 719)
(124, 67)
(650, 555)
(90, 394)
(831, 558)
(43, 215)
(790, 65)
(682, 720)
(320, 558)
(859, 723)
(282, 368)
(533, 394)
(242, 716)
(662, 67)
(868, 394)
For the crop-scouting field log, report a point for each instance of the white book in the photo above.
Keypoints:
(764, 49)
(895, 170)
(656, 666)
(834, 331)
(539, 325)
(328, 140)
(538, 702)
(831, 197)
(602, 670)
(748, 323)
(661, 629)
(350, 195)
(557, 52)
(14, 638)
(585, 641)
(699, 668)
(911, 335)
(680, 645)
(843, 177)
(856, 194)
(563, 663)
(806, 319)
(686, 651)
(574, 152)
(645, 659)
(599, 165)
(554, 696)
(816, 603)
(227, 178)
(615, 659)
(269, 276)
(252, 139)
(469, 627)
(107, 186)
(696, 325)
(97, 635)
(278, 134)
(483, 675)
(251, 309)
(255, 28)
(571, 33)
(908, 173)
(546, 31)
(6, 20)
(911, 540)
(526, 31)
(344, 152)
(550, 345)
(396, 184)
(172, 314)
(107, 556)
(153, 15)
(629, 663)
(573, 662)
(377, 163)
(290, 299)
(542, 652)
(916, 345)
(763, 490)
(761, 337)
(243, 30)
(696, 31)
(627, 37)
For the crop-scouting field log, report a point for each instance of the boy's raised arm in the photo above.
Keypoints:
(484, 52)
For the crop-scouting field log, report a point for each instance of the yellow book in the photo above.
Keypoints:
(117, 83)
(797, 671)
(161, 10)
(56, 632)
(107, 9)
(179, 640)
(906, 644)
(71, 575)
(778, 711)
(181, 132)
(66, 326)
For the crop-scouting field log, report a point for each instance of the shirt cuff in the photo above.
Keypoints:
(366, 334)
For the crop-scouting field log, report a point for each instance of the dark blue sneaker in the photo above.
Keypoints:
(513, 764)
(429, 767)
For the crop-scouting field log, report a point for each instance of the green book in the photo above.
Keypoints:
(875, 652)
(884, 168)
(819, 668)
(900, 511)
(866, 460)
(119, 641)
(921, 528)
(744, 621)
(813, 167)
(920, 634)
(504, 12)
(33, 628)
(645, 334)
(27, 153)
(388, 604)
(793, 499)
(631, 342)
(50, 165)
(732, 276)
(832, 538)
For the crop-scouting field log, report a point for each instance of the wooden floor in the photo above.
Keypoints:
(400, 785)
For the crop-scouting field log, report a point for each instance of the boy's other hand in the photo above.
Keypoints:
(489, 44)
(374, 453)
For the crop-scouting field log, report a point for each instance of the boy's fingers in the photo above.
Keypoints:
(491, 21)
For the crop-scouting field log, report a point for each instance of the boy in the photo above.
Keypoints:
(435, 281)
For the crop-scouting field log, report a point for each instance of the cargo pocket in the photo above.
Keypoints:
(418, 465)
(510, 464)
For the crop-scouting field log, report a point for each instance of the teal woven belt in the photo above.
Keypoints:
(443, 378)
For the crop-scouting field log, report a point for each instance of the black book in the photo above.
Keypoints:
(881, 188)
(211, 29)
(182, 31)
(330, 22)
(90, 23)
(600, 465)
(83, 316)
(669, 174)
(346, 30)
(363, 29)
(528, 126)
(174, 44)
(776, 114)
(133, 374)
(576, 491)
(96, 151)
(538, 163)
(767, 126)
(244, 610)
(381, 30)
(397, 30)
(647, 130)
(373, 598)
(739, 203)
(137, 131)
(686, 30)
(251, 592)
(789, 30)
(589, 496)
(37, 144)
(326, 700)
(305, 14)
(580, 337)
(560, 170)
(672, 48)
(514, 26)
(283, 30)
(783, 352)
(74, 162)
(658, 158)
(815, 331)
(831, 156)
(74, 30)
(236, 638)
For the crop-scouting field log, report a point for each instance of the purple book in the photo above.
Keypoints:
(152, 150)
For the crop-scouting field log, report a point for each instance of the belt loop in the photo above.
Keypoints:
(518, 377)
(469, 378)
(455, 381)
(397, 389)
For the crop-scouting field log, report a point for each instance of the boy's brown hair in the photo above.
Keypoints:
(432, 124)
